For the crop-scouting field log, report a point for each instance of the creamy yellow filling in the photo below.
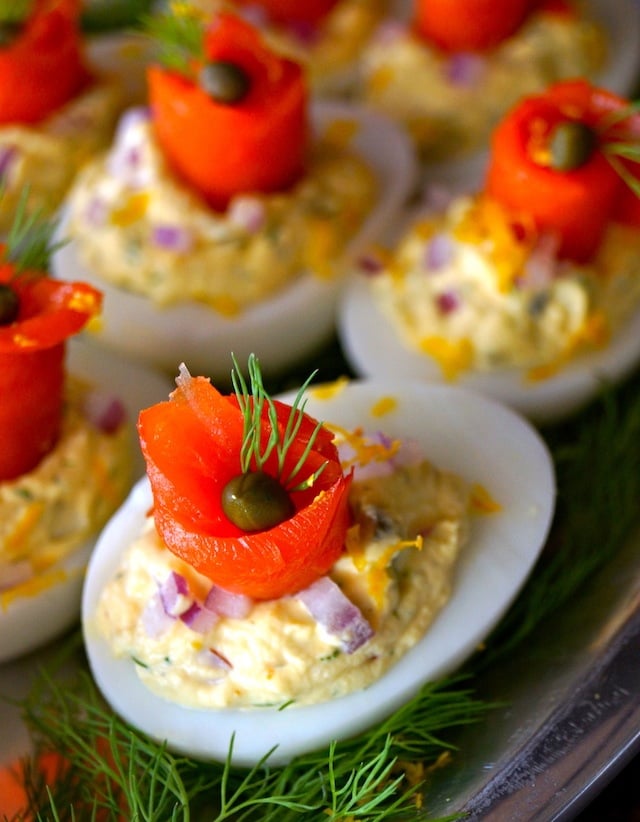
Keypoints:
(50, 511)
(484, 303)
(410, 525)
(45, 157)
(411, 81)
(228, 260)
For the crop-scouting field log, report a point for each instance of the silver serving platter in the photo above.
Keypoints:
(571, 719)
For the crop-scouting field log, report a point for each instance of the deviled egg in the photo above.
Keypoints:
(291, 641)
(57, 107)
(526, 289)
(52, 513)
(195, 262)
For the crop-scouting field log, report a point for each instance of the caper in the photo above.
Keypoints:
(9, 31)
(224, 82)
(571, 145)
(9, 304)
(255, 501)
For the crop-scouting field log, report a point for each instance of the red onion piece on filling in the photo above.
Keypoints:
(172, 238)
(104, 411)
(439, 252)
(155, 620)
(465, 68)
(199, 619)
(336, 613)
(247, 212)
(174, 594)
(224, 603)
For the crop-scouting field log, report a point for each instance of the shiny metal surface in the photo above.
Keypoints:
(571, 719)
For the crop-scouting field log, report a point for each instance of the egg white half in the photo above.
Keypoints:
(281, 330)
(374, 349)
(29, 622)
(459, 431)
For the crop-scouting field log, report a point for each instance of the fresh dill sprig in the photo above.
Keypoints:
(117, 773)
(252, 401)
(29, 244)
(618, 147)
(178, 36)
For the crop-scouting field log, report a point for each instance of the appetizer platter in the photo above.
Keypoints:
(338, 577)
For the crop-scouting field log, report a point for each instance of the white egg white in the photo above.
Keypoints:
(29, 622)
(281, 330)
(462, 432)
(373, 347)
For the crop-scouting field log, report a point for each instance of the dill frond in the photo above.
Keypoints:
(618, 144)
(252, 401)
(178, 37)
(29, 244)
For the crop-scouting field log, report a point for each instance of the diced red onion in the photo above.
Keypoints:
(248, 213)
(436, 198)
(439, 251)
(336, 613)
(125, 160)
(228, 604)
(174, 594)
(132, 117)
(465, 68)
(96, 212)
(14, 573)
(7, 156)
(104, 411)
(199, 619)
(369, 264)
(155, 620)
(124, 163)
(447, 302)
(541, 266)
(215, 659)
(172, 238)
(304, 32)
(390, 31)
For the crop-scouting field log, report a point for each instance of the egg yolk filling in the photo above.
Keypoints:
(199, 645)
(51, 510)
(473, 291)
